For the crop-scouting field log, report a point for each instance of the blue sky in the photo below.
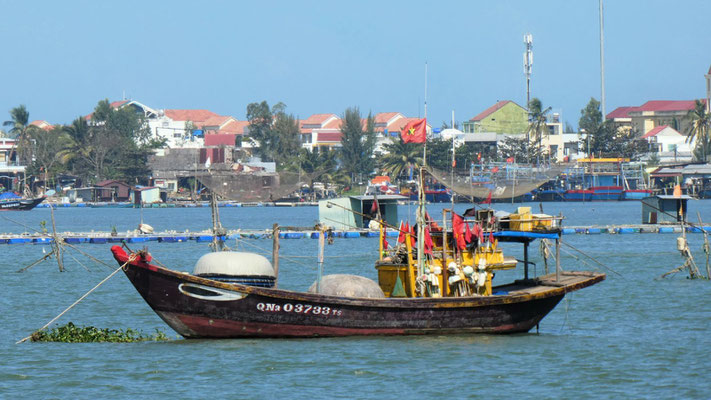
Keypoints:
(61, 57)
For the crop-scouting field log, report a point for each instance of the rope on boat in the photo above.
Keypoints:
(593, 259)
(87, 255)
(130, 260)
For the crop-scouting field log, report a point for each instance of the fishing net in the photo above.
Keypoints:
(503, 182)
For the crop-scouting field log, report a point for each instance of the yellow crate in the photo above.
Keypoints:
(542, 221)
(520, 222)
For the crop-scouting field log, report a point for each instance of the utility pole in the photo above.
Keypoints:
(602, 62)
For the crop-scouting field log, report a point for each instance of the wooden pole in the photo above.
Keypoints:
(275, 253)
(557, 259)
(321, 245)
(525, 260)
(57, 247)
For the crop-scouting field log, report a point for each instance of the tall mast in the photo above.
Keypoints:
(421, 199)
(527, 68)
(602, 61)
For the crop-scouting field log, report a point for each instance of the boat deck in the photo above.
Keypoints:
(571, 280)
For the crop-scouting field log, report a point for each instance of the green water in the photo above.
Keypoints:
(632, 336)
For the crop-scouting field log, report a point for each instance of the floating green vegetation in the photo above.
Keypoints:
(71, 333)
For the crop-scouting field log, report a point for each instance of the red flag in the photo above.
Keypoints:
(458, 231)
(415, 131)
(468, 235)
(385, 240)
(510, 160)
(491, 237)
(428, 241)
(477, 231)
(488, 199)
(404, 228)
(375, 206)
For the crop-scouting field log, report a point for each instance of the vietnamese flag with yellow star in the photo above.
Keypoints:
(415, 131)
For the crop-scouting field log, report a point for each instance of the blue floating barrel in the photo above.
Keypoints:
(116, 239)
(294, 235)
(173, 239)
(372, 234)
(568, 231)
(314, 235)
(42, 240)
(666, 229)
(625, 230)
(351, 234)
(693, 229)
(393, 233)
(593, 231)
(18, 240)
(75, 240)
(203, 238)
(3, 241)
(580, 230)
(81, 204)
(98, 240)
(137, 239)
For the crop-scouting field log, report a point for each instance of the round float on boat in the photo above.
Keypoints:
(344, 285)
(236, 267)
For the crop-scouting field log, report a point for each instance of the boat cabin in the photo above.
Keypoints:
(356, 212)
(664, 209)
(458, 261)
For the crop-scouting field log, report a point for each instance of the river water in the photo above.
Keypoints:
(631, 336)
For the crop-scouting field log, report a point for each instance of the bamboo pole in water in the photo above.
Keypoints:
(275, 253)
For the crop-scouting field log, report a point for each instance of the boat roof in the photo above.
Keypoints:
(380, 197)
(671, 196)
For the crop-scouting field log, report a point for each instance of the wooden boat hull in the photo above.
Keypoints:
(20, 204)
(202, 308)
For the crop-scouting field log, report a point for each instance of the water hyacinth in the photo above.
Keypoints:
(71, 333)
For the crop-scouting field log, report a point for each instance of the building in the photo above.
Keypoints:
(669, 144)
(503, 117)
(117, 190)
(654, 113)
(320, 130)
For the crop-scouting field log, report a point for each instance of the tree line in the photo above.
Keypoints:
(113, 144)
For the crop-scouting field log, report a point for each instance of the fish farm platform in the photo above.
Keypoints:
(206, 236)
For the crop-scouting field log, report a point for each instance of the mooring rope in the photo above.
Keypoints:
(130, 260)
(593, 259)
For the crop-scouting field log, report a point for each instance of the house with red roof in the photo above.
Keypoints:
(44, 125)
(504, 117)
(669, 144)
(655, 113)
(320, 130)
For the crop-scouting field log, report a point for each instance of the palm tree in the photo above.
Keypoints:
(700, 128)
(399, 156)
(21, 129)
(537, 127)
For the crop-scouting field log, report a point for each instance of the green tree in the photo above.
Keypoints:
(400, 156)
(21, 130)
(700, 129)
(260, 119)
(600, 136)
(116, 144)
(357, 143)
(519, 148)
(285, 142)
(52, 149)
(439, 153)
(537, 127)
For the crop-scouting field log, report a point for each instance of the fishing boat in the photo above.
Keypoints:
(12, 202)
(444, 287)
